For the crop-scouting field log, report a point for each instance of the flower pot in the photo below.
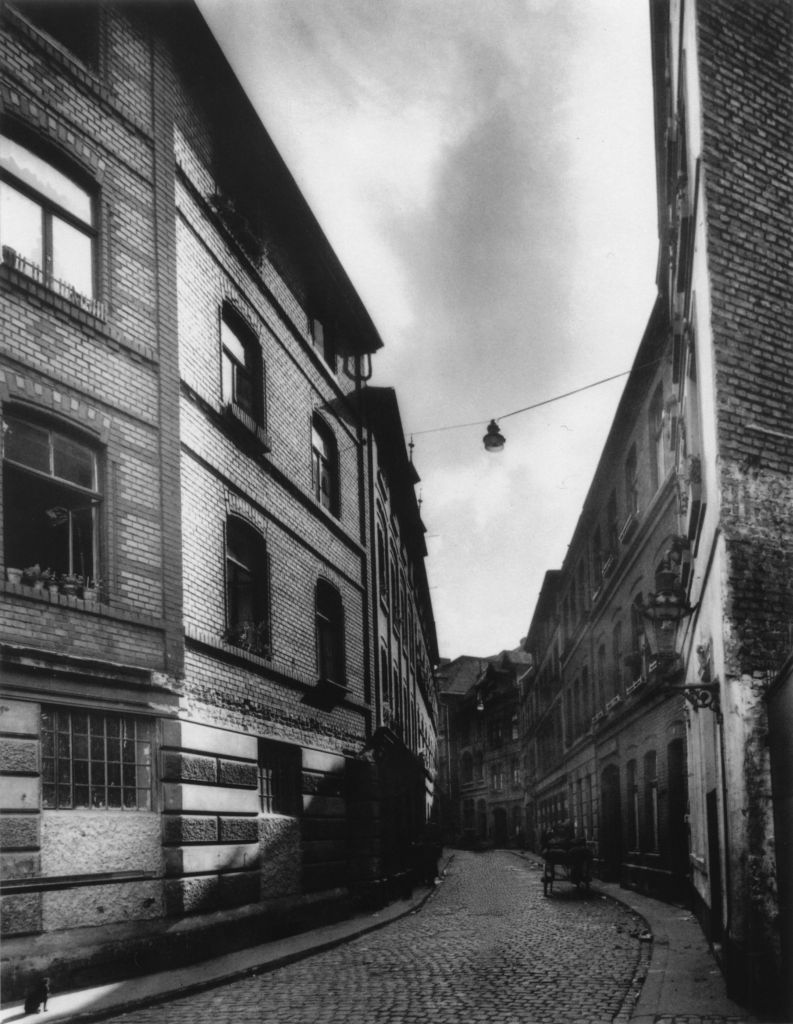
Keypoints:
(54, 589)
(14, 575)
(90, 594)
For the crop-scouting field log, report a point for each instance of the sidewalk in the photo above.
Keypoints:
(683, 982)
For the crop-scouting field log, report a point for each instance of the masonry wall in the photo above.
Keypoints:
(747, 126)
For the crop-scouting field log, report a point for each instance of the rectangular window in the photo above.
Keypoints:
(280, 772)
(47, 221)
(95, 760)
(50, 500)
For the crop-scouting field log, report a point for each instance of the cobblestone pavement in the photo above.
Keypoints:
(487, 947)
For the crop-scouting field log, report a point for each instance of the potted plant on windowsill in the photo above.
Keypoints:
(70, 583)
(90, 593)
(250, 636)
(34, 577)
(14, 575)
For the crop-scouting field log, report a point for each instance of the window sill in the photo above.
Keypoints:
(34, 274)
(66, 601)
(76, 311)
(241, 419)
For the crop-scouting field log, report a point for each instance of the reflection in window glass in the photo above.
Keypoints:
(47, 219)
(21, 224)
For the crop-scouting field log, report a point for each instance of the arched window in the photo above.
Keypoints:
(656, 426)
(47, 220)
(241, 366)
(51, 498)
(247, 588)
(329, 614)
(325, 465)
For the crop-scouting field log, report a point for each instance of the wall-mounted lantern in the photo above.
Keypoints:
(665, 610)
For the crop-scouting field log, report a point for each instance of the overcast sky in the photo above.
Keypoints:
(484, 170)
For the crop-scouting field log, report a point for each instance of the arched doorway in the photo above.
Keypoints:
(610, 830)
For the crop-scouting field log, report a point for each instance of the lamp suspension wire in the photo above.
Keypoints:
(537, 405)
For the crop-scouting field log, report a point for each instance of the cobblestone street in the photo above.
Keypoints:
(486, 947)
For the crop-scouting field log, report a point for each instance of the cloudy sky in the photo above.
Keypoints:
(484, 170)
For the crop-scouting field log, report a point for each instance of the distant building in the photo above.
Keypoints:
(484, 761)
(660, 713)
(193, 705)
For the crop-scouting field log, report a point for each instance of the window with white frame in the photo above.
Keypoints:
(51, 497)
(95, 760)
(47, 221)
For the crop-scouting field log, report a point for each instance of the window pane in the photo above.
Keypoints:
(72, 257)
(38, 174)
(21, 224)
(27, 444)
(73, 461)
(233, 344)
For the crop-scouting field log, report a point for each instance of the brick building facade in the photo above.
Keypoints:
(665, 637)
(724, 121)
(192, 703)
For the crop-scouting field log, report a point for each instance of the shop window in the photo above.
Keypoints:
(247, 588)
(51, 499)
(95, 761)
(325, 467)
(330, 634)
(47, 222)
(280, 772)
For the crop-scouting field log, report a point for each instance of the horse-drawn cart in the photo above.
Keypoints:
(565, 858)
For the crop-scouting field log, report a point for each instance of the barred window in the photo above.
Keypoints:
(95, 760)
(279, 778)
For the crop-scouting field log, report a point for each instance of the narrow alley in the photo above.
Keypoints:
(486, 947)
